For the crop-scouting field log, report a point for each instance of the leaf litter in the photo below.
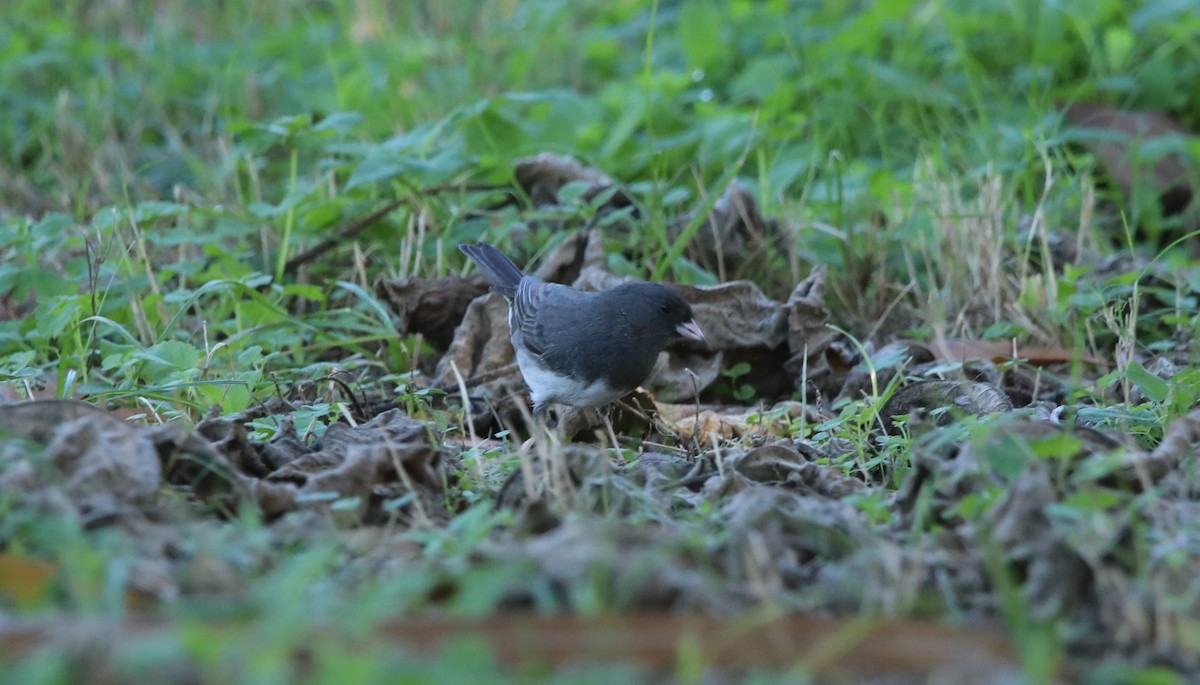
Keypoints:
(975, 487)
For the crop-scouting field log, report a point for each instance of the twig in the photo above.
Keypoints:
(352, 229)
(468, 420)
(347, 232)
(358, 407)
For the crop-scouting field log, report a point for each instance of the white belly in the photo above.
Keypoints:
(546, 387)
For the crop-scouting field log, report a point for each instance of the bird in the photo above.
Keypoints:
(584, 349)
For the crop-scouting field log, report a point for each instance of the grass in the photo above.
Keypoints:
(166, 162)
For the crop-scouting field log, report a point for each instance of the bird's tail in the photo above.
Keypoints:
(494, 264)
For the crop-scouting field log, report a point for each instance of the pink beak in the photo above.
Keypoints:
(690, 330)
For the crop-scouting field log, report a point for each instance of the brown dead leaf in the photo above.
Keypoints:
(391, 453)
(481, 351)
(735, 236)
(781, 464)
(40, 420)
(681, 374)
(565, 263)
(1181, 438)
(1056, 579)
(639, 570)
(959, 350)
(351, 462)
(736, 315)
(691, 423)
(108, 466)
(653, 640)
(1169, 176)
(858, 649)
(923, 397)
(431, 307)
(24, 580)
(786, 520)
(216, 463)
(544, 175)
(808, 335)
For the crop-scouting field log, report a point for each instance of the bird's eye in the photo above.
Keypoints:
(667, 308)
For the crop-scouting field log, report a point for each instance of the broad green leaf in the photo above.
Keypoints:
(340, 122)
(1154, 388)
(374, 169)
(762, 77)
(174, 354)
(53, 315)
(699, 34)
(738, 370)
(1008, 455)
(1060, 445)
(1092, 500)
(384, 316)
(1118, 44)
(289, 125)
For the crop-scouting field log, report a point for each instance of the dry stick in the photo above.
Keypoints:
(150, 406)
(421, 517)
(360, 266)
(332, 378)
(803, 395)
(696, 419)
(347, 232)
(404, 268)
(716, 443)
(673, 449)
(527, 471)
(887, 311)
(468, 419)
(558, 474)
(712, 225)
(352, 229)
(1178, 440)
(140, 242)
(341, 406)
(1087, 207)
(485, 377)
(612, 434)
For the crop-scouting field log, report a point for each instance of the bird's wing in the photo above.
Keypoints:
(540, 310)
(523, 314)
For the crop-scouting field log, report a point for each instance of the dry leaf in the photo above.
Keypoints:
(922, 397)
(1169, 175)
(880, 648)
(108, 466)
(431, 307)
(25, 580)
(735, 236)
(1000, 351)
(544, 175)
(690, 423)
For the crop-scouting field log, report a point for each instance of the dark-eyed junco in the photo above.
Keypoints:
(579, 348)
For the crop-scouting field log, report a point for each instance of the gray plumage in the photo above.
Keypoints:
(579, 348)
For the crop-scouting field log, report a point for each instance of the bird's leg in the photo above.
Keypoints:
(540, 425)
